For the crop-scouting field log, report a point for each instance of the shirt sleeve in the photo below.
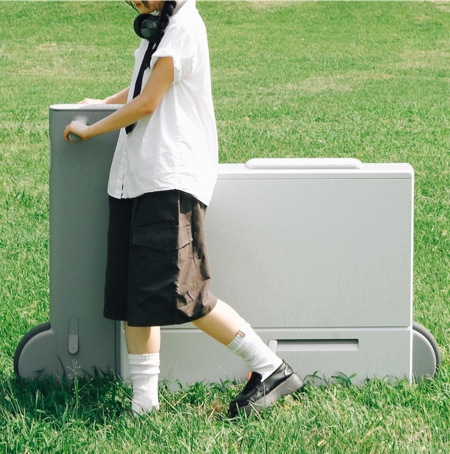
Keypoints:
(177, 43)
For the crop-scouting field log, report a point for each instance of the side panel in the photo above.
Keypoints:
(320, 267)
(189, 356)
(313, 252)
(78, 235)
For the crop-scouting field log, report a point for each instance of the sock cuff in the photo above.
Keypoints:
(147, 363)
(150, 359)
(244, 329)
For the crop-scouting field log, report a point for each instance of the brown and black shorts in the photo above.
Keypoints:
(157, 269)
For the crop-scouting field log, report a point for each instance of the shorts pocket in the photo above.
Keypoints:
(162, 237)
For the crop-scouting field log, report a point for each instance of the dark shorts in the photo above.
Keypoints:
(157, 270)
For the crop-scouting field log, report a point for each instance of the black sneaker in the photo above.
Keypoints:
(258, 394)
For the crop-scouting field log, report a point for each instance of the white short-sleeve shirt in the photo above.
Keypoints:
(175, 147)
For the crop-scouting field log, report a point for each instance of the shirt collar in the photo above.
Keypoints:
(184, 5)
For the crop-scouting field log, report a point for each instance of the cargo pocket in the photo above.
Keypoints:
(159, 254)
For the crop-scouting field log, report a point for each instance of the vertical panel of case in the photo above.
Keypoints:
(78, 235)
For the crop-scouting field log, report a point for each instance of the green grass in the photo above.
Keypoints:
(369, 80)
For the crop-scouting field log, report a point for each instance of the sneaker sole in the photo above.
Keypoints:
(288, 386)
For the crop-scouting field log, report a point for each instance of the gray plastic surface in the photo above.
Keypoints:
(73, 137)
(81, 339)
(319, 261)
(318, 258)
(328, 252)
(36, 354)
(426, 355)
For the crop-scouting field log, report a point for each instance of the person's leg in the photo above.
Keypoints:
(142, 340)
(271, 377)
(226, 326)
(222, 323)
(143, 344)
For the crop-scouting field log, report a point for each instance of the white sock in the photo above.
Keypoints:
(144, 372)
(256, 354)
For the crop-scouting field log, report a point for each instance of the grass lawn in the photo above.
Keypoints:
(367, 80)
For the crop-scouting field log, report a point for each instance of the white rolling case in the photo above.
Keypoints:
(316, 254)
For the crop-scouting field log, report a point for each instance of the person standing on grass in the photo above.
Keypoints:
(161, 180)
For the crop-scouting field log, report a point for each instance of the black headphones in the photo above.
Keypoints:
(146, 27)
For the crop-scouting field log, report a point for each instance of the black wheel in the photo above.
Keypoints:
(24, 341)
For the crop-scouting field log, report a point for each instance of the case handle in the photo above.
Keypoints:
(303, 163)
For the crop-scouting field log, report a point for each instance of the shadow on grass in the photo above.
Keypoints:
(92, 399)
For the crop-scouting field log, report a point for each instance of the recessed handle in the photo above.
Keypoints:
(73, 137)
(313, 345)
(73, 335)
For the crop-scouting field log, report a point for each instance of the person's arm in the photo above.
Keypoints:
(118, 98)
(145, 104)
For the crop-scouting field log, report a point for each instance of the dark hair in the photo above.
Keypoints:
(166, 14)
(163, 22)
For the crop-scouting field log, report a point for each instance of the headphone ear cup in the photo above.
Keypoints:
(146, 26)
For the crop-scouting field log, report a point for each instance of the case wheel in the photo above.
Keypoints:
(25, 342)
(426, 355)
